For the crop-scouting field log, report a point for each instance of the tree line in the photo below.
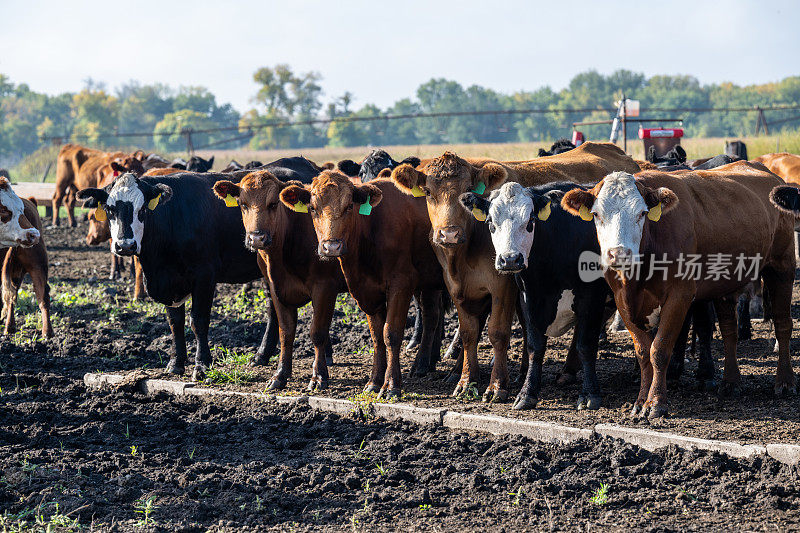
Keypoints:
(96, 114)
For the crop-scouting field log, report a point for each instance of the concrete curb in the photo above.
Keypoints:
(496, 425)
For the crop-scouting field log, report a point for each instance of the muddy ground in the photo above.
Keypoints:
(102, 456)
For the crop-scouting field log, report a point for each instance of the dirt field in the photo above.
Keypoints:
(102, 456)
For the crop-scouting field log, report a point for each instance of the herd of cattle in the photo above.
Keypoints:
(495, 239)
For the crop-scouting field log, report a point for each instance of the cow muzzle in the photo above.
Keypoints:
(28, 239)
(510, 262)
(257, 240)
(125, 247)
(618, 257)
(332, 248)
(448, 236)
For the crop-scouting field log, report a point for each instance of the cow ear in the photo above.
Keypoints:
(92, 197)
(541, 206)
(408, 179)
(348, 167)
(475, 204)
(225, 188)
(786, 199)
(296, 198)
(491, 176)
(211, 161)
(662, 199)
(578, 202)
(117, 168)
(367, 195)
(385, 173)
(412, 160)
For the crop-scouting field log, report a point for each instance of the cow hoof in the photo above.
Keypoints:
(708, 385)
(730, 390)
(276, 383)
(420, 371)
(525, 401)
(498, 396)
(317, 384)
(259, 360)
(566, 378)
(412, 344)
(783, 390)
(174, 368)
(199, 373)
(371, 387)
(329, 360)
(637, 411)
(389, 394)
(657, 410)
(591, 402)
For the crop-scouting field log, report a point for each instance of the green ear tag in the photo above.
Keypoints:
(230, 201)
(544, 213)
(417, 192)
(365, 208)
(300, 207)
(479, 188)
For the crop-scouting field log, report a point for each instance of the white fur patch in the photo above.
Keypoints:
(180, 302)
(11, 231)
(510, 211)
(126, 190)
(565, 315)
(618, 215)
(654, 318)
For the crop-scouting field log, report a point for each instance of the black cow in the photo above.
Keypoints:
(372, 165)
(559, 147)
(253, 165)
(4, 174)
(187, 241)
(234, 165)
(198, 164)
(716, 161)
(154, 161)
(736, 149)
(674, 158)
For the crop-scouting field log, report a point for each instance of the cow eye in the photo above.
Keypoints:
(348, 208)
(244, 206)
(492, 227)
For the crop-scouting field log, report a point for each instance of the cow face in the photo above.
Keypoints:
(15, 228)
(442, 182)
(258, 196)
(511, 213)
(99, 231)
(198, 164)
(620, 206)
(333, 202)
(125, 204)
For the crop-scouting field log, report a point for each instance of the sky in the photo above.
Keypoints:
(383, 51)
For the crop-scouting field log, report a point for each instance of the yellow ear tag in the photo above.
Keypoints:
(585, 214)
(417, 192)
(544, 213)
(655, 213)
(230, 201)
(300, 207)
(153, 203)
(479, 215)
(100, 214)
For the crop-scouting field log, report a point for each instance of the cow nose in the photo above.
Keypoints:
(125, 247)
(448, 235)
(28, 239)
(258, 239)
(513, 261)
(331, 248)
(619, 255)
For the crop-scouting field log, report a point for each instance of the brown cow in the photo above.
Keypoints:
(286, 243)
(465, 250)
(661, 220)
(28, 256)
(162, 171)
(381, 239)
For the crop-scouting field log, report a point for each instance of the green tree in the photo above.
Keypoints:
(170, 131)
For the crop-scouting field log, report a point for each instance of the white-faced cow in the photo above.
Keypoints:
(650, 226)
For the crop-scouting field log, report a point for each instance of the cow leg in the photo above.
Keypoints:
(703, 319)
(525, 324)
(202, 300)
(429, 308)
(642, 342)
(535, 344)
(778, 287)
(678, 359)
(376, 322)
(114, 264)
(269, 341)
(416, 335)
(396, 316)
(726, 315)
(673, 313)
(589, 309)
(58, 197)
(569, 372)
(42, 290)
(499, 336)
(176, 318)
(323, 302)
(69, 202)
(287, 324)
(12, 279)
(468, 324)
(138, 288)
(438, 338)
(455, 350)
(745, 332)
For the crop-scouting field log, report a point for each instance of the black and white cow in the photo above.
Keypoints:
(544, 246)
(187, 241)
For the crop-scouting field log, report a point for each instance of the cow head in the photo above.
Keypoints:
(119, 166)
(334, 203)
(442, 182)
(511, 212)
(258, 197)
(373, 165)
(99, 231)
(15, 228)
(232, 166)
(198, 164)
(620, 206)
(125, 203)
